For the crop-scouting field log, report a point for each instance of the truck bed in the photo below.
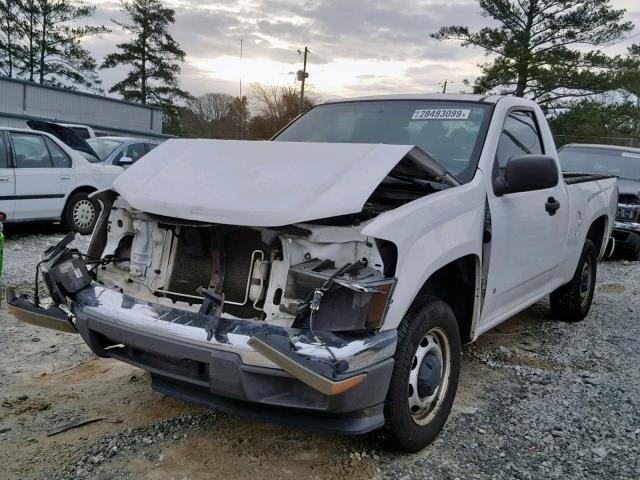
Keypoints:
(573, 178)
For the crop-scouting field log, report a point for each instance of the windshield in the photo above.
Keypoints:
(89, 157)
(621, 163)
(451, 132)
(104, 146)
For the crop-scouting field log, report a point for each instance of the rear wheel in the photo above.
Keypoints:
(572, 301)
(425, 375)
(80, 214)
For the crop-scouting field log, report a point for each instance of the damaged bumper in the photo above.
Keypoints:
(335, 382)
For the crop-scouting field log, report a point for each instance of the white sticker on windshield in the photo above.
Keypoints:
(631, 155)
(441, 114)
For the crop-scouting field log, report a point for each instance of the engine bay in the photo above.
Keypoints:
(307, 275)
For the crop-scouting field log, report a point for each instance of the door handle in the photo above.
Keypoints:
(4, 179)
(65, 177)
(551, 206)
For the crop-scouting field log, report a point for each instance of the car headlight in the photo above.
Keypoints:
(358, 298)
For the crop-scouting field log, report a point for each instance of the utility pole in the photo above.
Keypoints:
(302, 76)
(243, 126)
(444, 87)
(240, 69)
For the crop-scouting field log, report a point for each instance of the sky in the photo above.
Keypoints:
(358, 47)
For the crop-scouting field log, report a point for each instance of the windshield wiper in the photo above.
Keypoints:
(406, 179)
(434, 168)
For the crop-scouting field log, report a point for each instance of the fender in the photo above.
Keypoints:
(599, 202)
(429, 234)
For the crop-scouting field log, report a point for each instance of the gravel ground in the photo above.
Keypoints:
(537, 399)
(569, 408)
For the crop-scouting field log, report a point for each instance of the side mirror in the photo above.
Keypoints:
(527, 173)
(125, 161)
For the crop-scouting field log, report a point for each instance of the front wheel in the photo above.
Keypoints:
(425, 375)
(572, 301)
(80, 214)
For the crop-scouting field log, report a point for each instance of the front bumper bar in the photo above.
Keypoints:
(627, 236)
(244, 363)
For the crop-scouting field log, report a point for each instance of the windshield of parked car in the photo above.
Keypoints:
(451, 132)
(621, 163)
(88, 157)
(104, 146)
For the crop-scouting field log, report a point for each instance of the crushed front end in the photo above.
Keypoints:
(279, 323)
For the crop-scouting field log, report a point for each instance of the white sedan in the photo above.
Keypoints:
(42, 179)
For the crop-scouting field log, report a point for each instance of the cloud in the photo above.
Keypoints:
(357, 46)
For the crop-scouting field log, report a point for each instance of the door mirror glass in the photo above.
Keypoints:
(527, 173)
(125, 161)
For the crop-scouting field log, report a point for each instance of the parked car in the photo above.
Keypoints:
(3, 217)
(121, 151)
(327, 279)
(624, 163)
(42, 179)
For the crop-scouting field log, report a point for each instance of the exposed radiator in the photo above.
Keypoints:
(192, 264)
(238, 246)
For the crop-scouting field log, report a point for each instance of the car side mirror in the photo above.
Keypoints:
(125, 161)
(526, 173)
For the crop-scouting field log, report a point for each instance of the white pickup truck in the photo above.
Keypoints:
(328, 278)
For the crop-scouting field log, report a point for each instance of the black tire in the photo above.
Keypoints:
(571, 302)
(80, 214)
(402, 429)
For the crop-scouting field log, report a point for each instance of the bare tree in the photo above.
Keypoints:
(214, 115)
(275, 106)
(211, 107)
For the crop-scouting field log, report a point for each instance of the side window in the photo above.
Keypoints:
(3, 152)
(520, 136)
(59, 158)
(136, 151)
(30, 151)
(133, 151)
(150, 146)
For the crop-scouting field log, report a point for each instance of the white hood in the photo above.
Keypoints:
(256, 183)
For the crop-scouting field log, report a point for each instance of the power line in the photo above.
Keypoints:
(622, 40)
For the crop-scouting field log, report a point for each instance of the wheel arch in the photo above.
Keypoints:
(82, 188)
(458, 284)
(597, 233)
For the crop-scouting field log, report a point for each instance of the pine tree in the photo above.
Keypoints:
(10, 37)
(533, 48)
(52, 52)
(152, 54)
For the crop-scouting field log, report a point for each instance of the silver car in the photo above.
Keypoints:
(120, 151)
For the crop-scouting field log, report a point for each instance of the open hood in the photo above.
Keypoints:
(262, 183)
(64, 134)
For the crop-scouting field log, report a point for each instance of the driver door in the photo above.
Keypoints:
(43, 176)
(7, 179)
(527, 241)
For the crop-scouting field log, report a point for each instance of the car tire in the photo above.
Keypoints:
(81, 213)
(571, 302)
(428, 333)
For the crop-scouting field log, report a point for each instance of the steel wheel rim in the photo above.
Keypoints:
(83, 214)
(433, 346)
(585, 284)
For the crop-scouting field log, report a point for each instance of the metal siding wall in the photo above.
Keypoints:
(70, 107)
(11, 97)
